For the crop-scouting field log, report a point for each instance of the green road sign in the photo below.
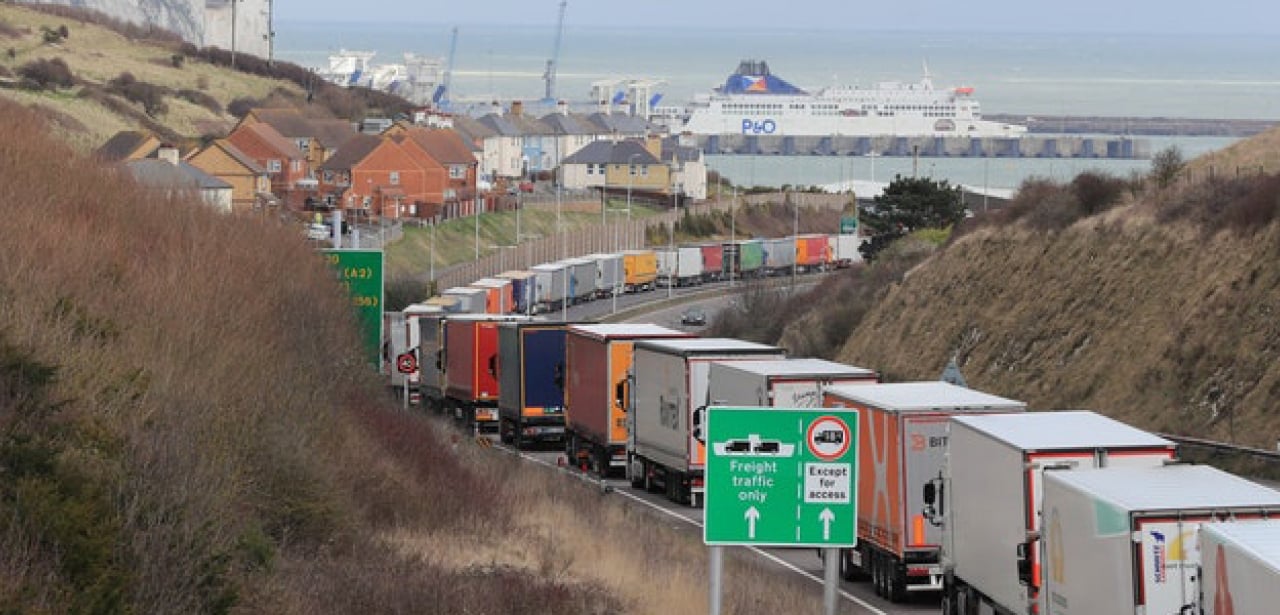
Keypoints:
(848, 225)
(781, 477)
(360, 271)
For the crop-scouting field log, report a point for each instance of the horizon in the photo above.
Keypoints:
(1225, 17)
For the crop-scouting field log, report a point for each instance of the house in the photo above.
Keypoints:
(286, 164)
(571, 132)
(617, 167)
(317, 138)
(504, 145)
(373, 176)
(688, 166)
(448, 149)
(538, 142)
(128, 145)
(250, 184)
(169, 176)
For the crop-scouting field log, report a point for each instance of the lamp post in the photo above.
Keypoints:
(733, 236)
(476, 217)
(795, 234)
(631, 173)
(433, 253)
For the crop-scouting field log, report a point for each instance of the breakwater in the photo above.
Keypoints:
(1028, 146)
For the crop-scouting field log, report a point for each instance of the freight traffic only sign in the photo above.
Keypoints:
(360, 272)
(781, 477)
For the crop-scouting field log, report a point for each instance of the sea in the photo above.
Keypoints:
(1024, 74)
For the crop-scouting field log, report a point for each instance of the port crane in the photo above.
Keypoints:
(549, 76)
(445, 89)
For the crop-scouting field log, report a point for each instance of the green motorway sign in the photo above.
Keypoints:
(360, 271)
(781, 477)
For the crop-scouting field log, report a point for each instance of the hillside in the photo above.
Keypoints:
(1161, 312)
(186, 94)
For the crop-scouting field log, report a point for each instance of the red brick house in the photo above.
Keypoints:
(375, 177)
(285, 163)
(447, 148)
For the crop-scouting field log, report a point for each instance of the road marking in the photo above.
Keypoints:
(635, 498)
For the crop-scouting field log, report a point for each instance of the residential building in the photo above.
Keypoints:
(128, 145)
(373, 176)
(286, 164)
(250, 183)
(169, 176)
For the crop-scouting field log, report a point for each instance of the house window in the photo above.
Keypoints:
(457, 172)
(328, 177)
(297, 166)
(273, 166)
(394, 178)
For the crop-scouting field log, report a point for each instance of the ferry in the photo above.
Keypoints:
(416, 79)
(753, 101)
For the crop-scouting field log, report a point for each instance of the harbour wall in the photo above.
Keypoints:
(1029, 146)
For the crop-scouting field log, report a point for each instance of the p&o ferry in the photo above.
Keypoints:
(753, 101)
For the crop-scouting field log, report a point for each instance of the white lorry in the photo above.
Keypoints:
(987, 500)
(668, 399)
(788, 383)
(1125, 541)
(1239, 568)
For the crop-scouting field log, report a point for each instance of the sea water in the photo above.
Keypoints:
(1139, 75)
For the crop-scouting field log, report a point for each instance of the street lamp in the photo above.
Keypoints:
(631, 173)
(733, 236)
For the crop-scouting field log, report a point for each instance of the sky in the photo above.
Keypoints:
(1142, 16)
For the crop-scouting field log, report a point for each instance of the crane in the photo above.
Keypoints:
(550, 75)
(444, 90)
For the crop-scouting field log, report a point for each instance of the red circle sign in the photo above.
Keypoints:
(407, 363)
(828, 438)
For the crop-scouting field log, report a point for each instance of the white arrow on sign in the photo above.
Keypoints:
(751, 516)
(827, 517)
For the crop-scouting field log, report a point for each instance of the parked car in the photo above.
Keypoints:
(694, 316)
(317, 231)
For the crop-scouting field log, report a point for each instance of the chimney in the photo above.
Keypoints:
(497, 108)
(168, 153)
(563, 107)
(517, 108)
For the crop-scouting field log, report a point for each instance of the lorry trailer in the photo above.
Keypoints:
(531, 374)
(902, 443)
(668, 394)
(1239, 568)
(471, 384)
(598, 358)
(987, 501)
(788, 383)
(1126, 541)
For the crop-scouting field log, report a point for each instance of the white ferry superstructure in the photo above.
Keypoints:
(755, 102)
(416, 79)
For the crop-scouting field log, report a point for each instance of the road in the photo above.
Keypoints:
(855, 597)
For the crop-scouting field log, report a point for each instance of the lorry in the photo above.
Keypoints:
(430, 377)
(552, 286)
(744, 258)
(500, 295)
(845, 250)
(640, 270)
(470, 300)
(404, 337)
(668, 397)
(1239, 568)
(812, 253)
(1126, 540)
(712, 261)
(598, 359)
(789, 383)
(531, 377)
(582, 279)
(779, 256)
(524, 287)
(987, 500)
(471, 386)
(609, 275)
(902, 444)
(680, 266)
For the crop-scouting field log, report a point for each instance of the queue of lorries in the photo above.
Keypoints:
(960, 492)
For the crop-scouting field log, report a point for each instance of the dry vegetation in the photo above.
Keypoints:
(186, 427)
(179, 92)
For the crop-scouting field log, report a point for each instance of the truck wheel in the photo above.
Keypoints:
(896, 580)
(603, 459)
(877, 580)
(648, 477)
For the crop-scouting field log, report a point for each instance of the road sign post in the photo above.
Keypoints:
(360, 272)
(781, 477)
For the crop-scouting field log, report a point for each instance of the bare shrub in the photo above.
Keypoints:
(202, 99)
(47, 74)
(1097, 192)
(241, 107)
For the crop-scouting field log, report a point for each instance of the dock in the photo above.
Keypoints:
(1027, 146)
